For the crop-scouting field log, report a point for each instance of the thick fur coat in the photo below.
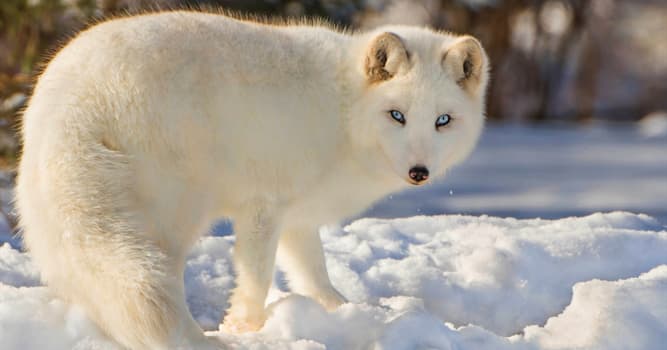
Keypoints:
(144, 130)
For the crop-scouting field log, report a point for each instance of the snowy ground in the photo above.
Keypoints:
(438, 282)
(449, 282)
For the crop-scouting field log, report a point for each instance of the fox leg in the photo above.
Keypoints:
(302, 257)
(254, 257)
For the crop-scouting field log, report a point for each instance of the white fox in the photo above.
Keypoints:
(144, 130)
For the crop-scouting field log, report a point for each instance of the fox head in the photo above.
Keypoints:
(421, 104)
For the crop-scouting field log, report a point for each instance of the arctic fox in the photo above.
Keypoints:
(144, 130)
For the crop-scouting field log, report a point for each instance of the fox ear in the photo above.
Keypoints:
(466, 62)
(386, 56)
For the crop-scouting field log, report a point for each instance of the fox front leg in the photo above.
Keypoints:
(254, 257)
(301, 255)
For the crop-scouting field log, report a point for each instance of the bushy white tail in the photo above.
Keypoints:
(92, 250)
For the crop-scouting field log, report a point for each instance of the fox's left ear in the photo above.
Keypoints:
(466, 62)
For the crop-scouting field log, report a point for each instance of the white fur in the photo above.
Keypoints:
(144, 130)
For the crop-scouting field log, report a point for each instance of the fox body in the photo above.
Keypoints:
(144, 130)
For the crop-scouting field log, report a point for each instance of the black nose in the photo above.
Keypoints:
(418, 173)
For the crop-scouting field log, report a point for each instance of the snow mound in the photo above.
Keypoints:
(654, 124)
(438, 282)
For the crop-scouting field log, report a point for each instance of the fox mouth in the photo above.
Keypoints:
(415, 183)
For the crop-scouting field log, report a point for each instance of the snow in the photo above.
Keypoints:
(424, 282)
(654, 124)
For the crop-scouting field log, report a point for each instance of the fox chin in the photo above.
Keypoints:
(144, 130)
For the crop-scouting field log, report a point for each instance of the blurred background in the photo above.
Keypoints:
(577, 102)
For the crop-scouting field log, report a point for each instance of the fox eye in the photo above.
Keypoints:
(397, 116)
(442, 120)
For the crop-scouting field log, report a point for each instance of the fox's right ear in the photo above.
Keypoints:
(386, 56)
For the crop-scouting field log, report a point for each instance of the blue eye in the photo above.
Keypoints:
(397, 116)
(442, 120)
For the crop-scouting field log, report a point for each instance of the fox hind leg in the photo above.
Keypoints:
(92, 249)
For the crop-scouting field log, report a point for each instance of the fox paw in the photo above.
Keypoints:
(331, 300)
(236, 325)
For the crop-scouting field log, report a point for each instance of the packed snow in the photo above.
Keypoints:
(426, 282)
